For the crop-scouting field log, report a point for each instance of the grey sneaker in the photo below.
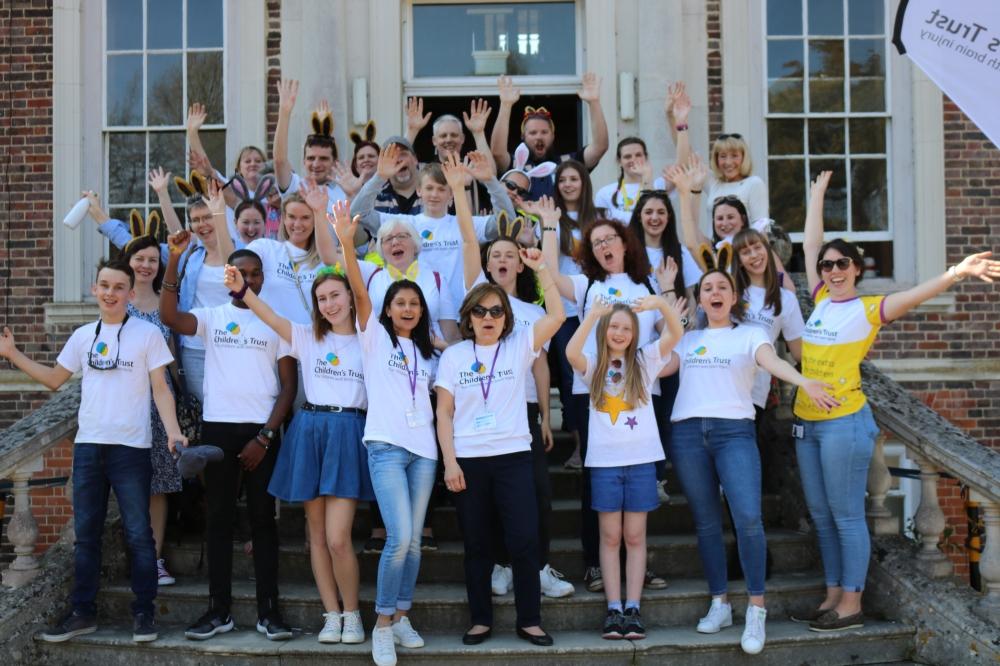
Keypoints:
(72, 625)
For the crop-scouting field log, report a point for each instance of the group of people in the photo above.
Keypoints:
(354, 333)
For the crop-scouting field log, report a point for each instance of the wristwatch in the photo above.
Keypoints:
(265, 437)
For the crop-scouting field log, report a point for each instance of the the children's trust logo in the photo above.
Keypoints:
(233, 328)
(427, 234)
(478, 367)
(701, 351)
(102, 349)
(614, 292)
(401, 357)
(332, 359)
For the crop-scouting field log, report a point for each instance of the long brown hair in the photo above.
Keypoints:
(636, 259)
(586, 211)
(633, 378)
(772, 285)
(320, 325)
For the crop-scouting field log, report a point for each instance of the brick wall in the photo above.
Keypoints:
(273, 66)
(714, 64)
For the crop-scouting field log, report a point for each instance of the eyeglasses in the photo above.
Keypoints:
(723, 137)
(396, 237)
(520, 191)
(827, 265)
(598, 243)
(118, 344)
(495, 312)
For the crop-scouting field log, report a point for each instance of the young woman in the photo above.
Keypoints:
(486, 444)
(251, 218)
(623, 442)
(322, 460)
(713, 442)
(835, 447)
(504, 268)
(732, 171)
(399, 362)
(635, 174)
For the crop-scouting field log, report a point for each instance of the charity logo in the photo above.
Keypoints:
(427, 234)
(233, 328)
(332, 359)
(614, 292)
(402, 357)
(102, 349)
(478, 367)
(816, 324)
(701, 351)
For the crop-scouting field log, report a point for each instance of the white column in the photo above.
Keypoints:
(989, 561)
(880, 519)
(930, 522)
(22, 531)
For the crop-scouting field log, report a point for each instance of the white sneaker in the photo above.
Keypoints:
(661, 491)
(163, 576)
(719, 615)
(405, 635)
(753, 634)
(553, 584)
(501, 579)
(330, 633)
(383, 646)
(354, 630)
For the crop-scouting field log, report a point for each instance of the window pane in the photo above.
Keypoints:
(869, 195)
(163, 24)
(867, 135)
(784, 17)
(205, 83)
(826, 17)
(164, 101)
(784, 137)
(867, 74)
(511, 38)
(204, 21)
(124, 90)
(784, 76)
(166, 149)
(124, 19)
(826, 137)
(215, 147)
(826, 75)
(786, 179)
(865, 17)
(835, 210)
(127, 168)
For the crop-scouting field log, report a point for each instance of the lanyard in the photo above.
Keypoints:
(488, 384)
(411, 376)
(298, 281)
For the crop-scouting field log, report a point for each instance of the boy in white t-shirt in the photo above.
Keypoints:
(121, 360)
(250, 384)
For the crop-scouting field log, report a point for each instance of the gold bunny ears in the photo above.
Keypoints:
(719, 260)
(535, 112)
(322, 123)
(367, 137)
(197, 185)
(510, 229)
(153, 227)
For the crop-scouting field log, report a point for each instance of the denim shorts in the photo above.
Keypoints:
(628, 488)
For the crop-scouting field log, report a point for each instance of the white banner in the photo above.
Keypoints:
(957, 43)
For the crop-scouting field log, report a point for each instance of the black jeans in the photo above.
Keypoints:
(221, 487)
(503, 483)
(589, 534)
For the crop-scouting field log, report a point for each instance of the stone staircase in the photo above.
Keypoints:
(440, 613)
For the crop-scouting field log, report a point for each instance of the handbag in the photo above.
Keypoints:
(188, 406)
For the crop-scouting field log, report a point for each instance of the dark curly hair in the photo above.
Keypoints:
(636, 260)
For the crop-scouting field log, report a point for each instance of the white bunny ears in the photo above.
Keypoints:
(521, 159)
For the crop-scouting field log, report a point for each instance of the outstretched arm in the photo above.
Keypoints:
(550, 245)
(591, 94)
(677, 115)
(689, 179)
(49, 377)
(288, 90)
(975, 265)
(158, 180)
(817, 391)
(812, 240)
(233, 280)
(501, 128)
(454, 173)
(346, 228)
(545, 327)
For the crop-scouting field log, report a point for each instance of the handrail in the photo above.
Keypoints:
(32, 435)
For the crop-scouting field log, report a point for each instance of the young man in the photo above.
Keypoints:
(250, 383)
(121, 361)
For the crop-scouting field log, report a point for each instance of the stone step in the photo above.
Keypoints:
(787, 643)
(442, 606)
(673, 555)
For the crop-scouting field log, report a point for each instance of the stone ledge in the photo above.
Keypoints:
(69, 314)
(15, 381)
(939, 369)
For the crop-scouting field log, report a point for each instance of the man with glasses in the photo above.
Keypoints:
(122, 361)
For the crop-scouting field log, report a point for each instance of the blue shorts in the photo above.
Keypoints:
(628, 488)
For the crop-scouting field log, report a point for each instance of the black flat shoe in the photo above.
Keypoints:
(543, 641)
(476, 639)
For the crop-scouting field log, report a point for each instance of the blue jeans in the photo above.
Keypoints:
(403, 482)
(193, 361)
(98, 469)
(833, 461)
(705, 453)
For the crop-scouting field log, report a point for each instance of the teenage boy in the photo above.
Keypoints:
(250, 383)
(121, 359)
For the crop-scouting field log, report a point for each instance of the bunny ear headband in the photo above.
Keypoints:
(153, 227)
(535, 112)
(521, 159)
(264, 187)
(322, 124)
(710, 261)
(195, 186)
(368, 137)
(509, 229)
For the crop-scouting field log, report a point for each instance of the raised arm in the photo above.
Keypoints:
(216, 203)
(195, 119)
(574, 348)
(817, 391)
(233, 280)
(501, 128)
(677, 117)
(49, 377)
(318, 199)
(184, 323)
(454, 173)
(159, 180)
(812, 238)
(288, 90)
(116, 231)
(416, 119)
(689, 179)
(673, 329)
(545, 327)
(363, 205)
(590, 93)
(550, 245)
(975, 265)
(346, 228)
(475, 122)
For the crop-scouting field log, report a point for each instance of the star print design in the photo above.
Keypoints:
(631, 422)
(613, 405)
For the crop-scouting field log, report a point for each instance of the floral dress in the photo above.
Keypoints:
(166, 477)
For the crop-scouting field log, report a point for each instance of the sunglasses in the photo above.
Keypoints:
(723, 137)
(520, 191)
(615, 375)
(97, 333)
(495, 312)
(598, 243)
(827, 265)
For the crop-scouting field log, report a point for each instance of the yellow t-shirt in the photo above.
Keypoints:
(837, 338)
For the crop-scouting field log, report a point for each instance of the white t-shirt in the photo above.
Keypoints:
(334, 191)
(210, 291)
(625, 204)
(692, 271)
(438, 296)
(621, 433)
(717, 367)
(498, 425)
(399, 381)
(751, 191)
(789, 324)
(567, 265)
(282, 270)
(617, 288)
(332, 372)
(114, 404)
(241, 364)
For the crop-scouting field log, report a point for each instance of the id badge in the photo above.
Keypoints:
(416, 418)
(485, 422)
(798, 430)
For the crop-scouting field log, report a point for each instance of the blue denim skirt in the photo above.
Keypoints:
(322, 455)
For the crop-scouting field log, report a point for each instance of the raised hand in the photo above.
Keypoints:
(687, 177)
(681, 103)
(343, 224)
(680, 306)
(666, 273)
(475, 119)
(316, 195)
(454, 172)
(480, 166)
(158, 179)
(389, 162)
(546, 209)
(288, 90)
(215, 201)
(818, 187)
(323, 110)
(8, 347)
(645, 169)
(196, 116)
(232, 278)
(344, 177)
(600, 307)
(647, 303)
(416, 119)
(532, 257)
(980, 266)
(198, 161)
(179, 241)
(508, 93)
(95, 211)
(590, 91)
